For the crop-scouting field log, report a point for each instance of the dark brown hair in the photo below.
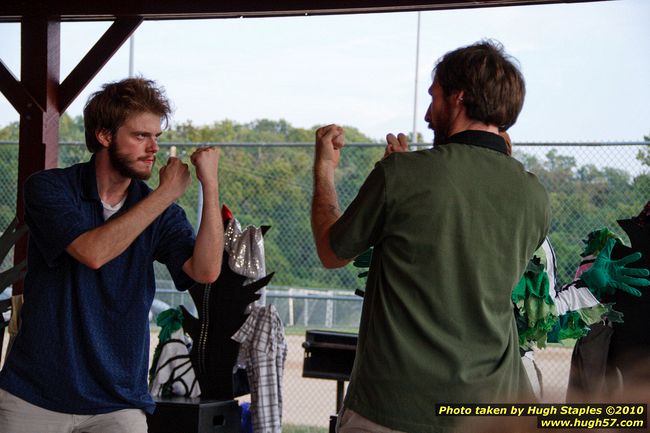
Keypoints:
(108, 109)
(493, 86)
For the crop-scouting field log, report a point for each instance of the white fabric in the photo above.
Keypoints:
(569, 297)
(551, 266)
(174, 366)
(528, 359)
(572, 298)
(263, 352)
(109, 210)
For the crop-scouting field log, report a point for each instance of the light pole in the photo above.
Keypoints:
(415, 91)
(131, 51)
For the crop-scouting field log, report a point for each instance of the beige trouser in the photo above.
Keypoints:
(19, 416)
(351, 422)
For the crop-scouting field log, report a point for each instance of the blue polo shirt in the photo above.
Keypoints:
(83, 346)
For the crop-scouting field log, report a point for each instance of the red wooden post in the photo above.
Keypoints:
(39, 121)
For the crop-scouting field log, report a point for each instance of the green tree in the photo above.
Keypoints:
(584, 198)
(644, 154)
(10, 132)
(71, 129)
(272, 185)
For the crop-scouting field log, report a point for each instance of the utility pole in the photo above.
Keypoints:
(415, 91)
(131, 51)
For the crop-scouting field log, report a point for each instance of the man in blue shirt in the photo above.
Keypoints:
(79, 362)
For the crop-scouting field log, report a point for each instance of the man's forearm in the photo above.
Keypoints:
(325, 212)
(98, 246)
(205, 264)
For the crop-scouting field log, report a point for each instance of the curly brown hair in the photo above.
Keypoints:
(108, 109)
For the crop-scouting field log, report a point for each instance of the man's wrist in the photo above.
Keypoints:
(210, 184)
(323, 167)
(165, 194)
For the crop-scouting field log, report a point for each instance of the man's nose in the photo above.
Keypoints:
(153, 145)
(427, 118)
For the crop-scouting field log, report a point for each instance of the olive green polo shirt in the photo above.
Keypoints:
(453, 228)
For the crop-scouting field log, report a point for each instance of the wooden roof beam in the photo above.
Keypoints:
(15, 92)
(95, 59)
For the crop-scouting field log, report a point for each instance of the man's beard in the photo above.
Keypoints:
(442, 125)
(440, 131)
(124, 165)
(439, 137)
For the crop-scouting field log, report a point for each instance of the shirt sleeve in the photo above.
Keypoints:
(362, 223)
(53, 215)
(175, 245)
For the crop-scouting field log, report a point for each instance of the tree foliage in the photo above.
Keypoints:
(263, 131)
(272, 185)
(644, 154)
(583, 199)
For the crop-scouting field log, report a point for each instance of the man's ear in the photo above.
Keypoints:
(458, 96)
(104, 137)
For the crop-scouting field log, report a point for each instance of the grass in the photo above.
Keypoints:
(300, 330)
(290, 428)
(288, 330)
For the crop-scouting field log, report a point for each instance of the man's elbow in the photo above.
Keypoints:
(202, 272)
(82, 250)
(326, 254)
(89, 260)
(92, 264)
(332, 264)
(206, 277)
(330, 261)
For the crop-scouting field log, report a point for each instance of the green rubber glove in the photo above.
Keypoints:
(607, 275)
(363, 261)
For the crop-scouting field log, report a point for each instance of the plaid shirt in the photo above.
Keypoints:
(263, 351)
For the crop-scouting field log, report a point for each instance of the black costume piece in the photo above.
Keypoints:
(630, 346)
(623, 346)
(222, 311)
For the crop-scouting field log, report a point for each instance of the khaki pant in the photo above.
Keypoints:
(19, 416)
(351, 422)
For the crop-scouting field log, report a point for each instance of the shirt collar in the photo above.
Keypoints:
(479, 138)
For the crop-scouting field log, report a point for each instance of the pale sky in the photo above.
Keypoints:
(587, 67)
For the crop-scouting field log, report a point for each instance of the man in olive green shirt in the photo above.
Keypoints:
(453, 228)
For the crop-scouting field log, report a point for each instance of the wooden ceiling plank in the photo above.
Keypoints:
(93, 10)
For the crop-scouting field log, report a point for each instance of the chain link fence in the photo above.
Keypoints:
(591, 186)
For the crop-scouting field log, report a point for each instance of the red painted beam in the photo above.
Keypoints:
(14, 91)
(39, 123)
